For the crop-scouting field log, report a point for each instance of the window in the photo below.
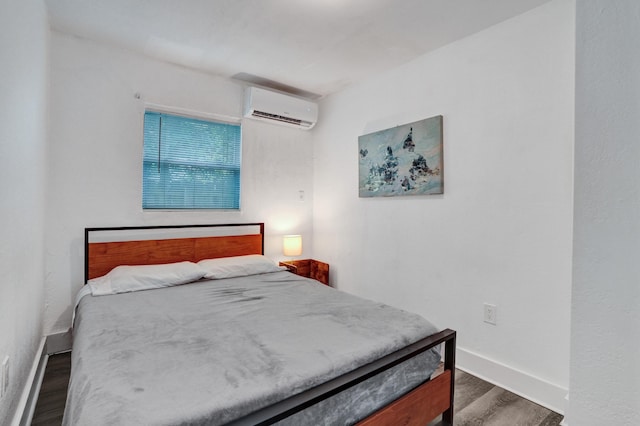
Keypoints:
(190, 163)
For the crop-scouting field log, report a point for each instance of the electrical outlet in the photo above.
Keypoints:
(490, 313)
(5, 376)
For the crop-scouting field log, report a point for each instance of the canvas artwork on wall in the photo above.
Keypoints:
(404, 160)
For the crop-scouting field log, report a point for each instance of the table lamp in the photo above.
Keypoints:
(292, 245)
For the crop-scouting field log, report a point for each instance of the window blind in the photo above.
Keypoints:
(190, 163)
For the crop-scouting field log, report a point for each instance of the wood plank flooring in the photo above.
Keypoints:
(477, 403)
(53, 392)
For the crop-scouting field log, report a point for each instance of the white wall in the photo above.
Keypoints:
(605, 317)
(24, 34)
(501, 233)
(95, 176)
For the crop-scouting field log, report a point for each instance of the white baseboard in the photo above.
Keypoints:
(59, 342)
(565, 421)
(54, 343)
(27, 402)
(537, 390)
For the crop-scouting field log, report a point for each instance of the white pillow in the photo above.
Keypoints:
(238, 266)
(122, 279)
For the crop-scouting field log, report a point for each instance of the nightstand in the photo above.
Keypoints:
(309, 268)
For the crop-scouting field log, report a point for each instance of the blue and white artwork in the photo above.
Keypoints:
(404, 160)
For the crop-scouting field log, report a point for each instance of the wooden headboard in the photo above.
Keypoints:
(118, 249)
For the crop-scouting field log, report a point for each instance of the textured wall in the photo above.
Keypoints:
(24, 35)
(605, 317)
(501, 233)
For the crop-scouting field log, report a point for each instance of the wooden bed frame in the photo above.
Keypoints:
(418, 407)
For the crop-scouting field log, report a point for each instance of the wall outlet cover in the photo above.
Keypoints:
(5, 376)
(490, 313)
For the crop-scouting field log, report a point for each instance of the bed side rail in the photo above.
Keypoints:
(285, 408)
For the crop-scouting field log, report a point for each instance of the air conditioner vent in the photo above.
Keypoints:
(278, 108)
(282, 118)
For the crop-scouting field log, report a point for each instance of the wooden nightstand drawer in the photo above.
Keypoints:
(309, 268)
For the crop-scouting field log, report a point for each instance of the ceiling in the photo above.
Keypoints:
(308, 47)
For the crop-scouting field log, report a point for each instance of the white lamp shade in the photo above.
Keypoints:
(292, 245)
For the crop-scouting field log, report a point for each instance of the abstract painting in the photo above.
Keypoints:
(404, 160)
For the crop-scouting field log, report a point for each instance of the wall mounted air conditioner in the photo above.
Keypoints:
(279, 108)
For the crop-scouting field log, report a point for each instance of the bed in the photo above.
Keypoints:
(246, 343)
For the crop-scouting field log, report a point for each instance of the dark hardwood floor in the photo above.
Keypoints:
(477, 402)
(53, 392)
